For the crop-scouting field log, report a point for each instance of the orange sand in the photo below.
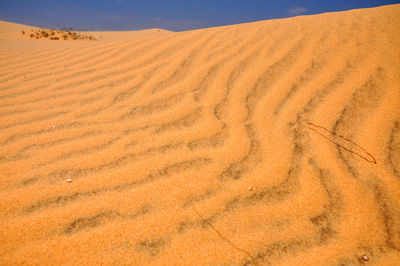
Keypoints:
(274, 142)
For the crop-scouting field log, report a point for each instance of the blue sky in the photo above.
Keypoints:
(175, 15)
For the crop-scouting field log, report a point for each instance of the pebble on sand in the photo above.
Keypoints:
(69, 180)
(365, 258)
(250, 188)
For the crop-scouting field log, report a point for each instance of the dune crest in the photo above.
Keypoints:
(267, 143)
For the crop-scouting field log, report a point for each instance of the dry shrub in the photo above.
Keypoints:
(63, 33)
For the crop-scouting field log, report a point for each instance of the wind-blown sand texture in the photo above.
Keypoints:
(274, 142)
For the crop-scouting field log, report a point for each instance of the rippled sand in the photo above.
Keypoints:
(274, 142)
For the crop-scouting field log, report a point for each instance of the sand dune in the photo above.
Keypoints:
(274, 142)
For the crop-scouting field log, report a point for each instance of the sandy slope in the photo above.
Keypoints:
(275, 142)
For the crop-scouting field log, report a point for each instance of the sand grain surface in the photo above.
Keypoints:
(267, 143)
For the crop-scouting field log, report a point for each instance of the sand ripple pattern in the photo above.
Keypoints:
(267, 143)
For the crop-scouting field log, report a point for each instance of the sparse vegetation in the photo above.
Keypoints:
(60, 33)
